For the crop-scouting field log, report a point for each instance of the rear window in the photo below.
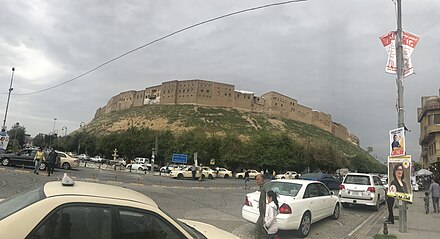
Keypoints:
(357, 179)
(283, 188)
(22, 200)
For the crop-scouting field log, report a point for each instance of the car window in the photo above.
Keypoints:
(140, 225)
(76, 222)
(22, 200)
(357, 179)
(311, 191)
(323, 191)
(283, 188)
(377, 181)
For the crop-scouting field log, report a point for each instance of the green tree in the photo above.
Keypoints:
(17, 136)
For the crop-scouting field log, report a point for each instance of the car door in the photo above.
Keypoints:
(325, 200)
(379, 187)
(310, 201)
(26, 157)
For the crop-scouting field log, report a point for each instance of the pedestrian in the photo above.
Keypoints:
(51, 160)
(426, 202)
(434, 189)
(261, 232)
(246, 180)
(193, 171)
(39, 156)
(270, 217)
(200, 173)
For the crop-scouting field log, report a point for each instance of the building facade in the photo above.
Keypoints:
(428, 116)
(216, 94)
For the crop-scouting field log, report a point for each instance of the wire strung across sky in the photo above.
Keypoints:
(157, 40)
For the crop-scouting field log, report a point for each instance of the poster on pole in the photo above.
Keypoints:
(399, 178)
(397, 142)
(409, 42)
(4, 140)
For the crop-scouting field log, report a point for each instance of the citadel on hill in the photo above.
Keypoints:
(216, 94)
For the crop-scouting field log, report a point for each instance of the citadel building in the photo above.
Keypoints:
(216, 94)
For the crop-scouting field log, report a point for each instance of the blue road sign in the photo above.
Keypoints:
(180, 158)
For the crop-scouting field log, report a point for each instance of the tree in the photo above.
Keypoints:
(16, 137)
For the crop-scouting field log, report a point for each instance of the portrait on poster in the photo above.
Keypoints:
(399, 178)
(397, 142)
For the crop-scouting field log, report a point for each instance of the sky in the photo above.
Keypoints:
(324, 53)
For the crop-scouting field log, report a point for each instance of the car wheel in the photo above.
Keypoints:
(5, 161)
(203, 177)
(226, 176)
(304, 227)
(43, 166)
(282, 177)
(140, 169)
(210, 176)
(377, 206)
(180, 176)
(240, 177)
(336, 212)
(345, 205)
(66, 166)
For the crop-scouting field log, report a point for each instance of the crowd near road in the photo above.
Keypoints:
(218, 201)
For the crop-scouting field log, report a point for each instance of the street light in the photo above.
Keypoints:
(65, 130)
(9, 96)
(79, 138)
(52, 133)
(54, 121)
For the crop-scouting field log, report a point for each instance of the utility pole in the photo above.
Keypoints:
(9, 96)
(400, 111)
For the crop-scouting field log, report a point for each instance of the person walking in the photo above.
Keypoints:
(39, 156)
(434, 190)
(246, 180)
(270, 218)
(261, 232)
(51, 160)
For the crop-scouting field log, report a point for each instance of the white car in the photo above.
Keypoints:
(66, 161)
(288, 175)
(252, 174)
(98, 159)
(224, 173)
(138, 166)
(301, 202)
(187, 173)
(91, 210)
(362, 189)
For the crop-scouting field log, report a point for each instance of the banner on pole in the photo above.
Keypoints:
(4, 140)
(399, 178)
(397, 142)
(409, 42)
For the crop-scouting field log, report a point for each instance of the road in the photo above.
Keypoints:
(217, 202)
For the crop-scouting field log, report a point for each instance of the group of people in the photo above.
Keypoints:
(267, 226)
(51, 161)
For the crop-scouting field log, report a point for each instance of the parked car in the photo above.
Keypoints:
(224, 173)
(301, 203)
(145, 162)
(171, 167)
(138, 166)
(330, 181)
(252, 174)
(21, 158)
(362, 189)
(118, 162)
(288, 175)
(66, 161)
(83, 157)
(187, 173)
(209, 173)
(91, 210)
(98, 159)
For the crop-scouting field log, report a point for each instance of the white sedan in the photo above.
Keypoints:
(301, 203)
(252, 174)
(91, 210)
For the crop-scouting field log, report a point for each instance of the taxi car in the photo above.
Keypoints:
(301, 203)
(252, 174)
(288, 174)
(79, 210)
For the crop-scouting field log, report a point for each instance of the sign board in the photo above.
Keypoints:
(179, 158)
(4, 140)
(397, 142)
(212, 161)
(409, 42)
(399, 178)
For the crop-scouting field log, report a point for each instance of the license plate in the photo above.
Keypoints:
(356, 193)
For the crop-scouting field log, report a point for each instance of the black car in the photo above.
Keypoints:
(22, 158)
(331, 182)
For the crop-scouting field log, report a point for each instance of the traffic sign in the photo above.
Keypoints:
(179, 158)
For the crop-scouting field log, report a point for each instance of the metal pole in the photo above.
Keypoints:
(400, 111)
(9, 96)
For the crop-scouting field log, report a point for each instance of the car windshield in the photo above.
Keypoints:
(283, 188)
(22, 200)
(191, 230)
(357, 179)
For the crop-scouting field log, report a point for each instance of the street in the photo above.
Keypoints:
(217, 202)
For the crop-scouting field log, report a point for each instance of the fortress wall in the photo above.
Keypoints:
(152, 95)
(222, 94)
(126, 100)
(322, 120)
(354, 139)
(139, 98)
(340, 131)
(186, 92)
(243, 100)
(258, 104)
(168, 92)
(304, 114)
(204, 92)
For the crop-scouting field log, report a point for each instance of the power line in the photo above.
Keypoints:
(157, 40)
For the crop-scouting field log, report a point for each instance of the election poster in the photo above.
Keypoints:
(397, 142)
(399, 178)
(4, 140)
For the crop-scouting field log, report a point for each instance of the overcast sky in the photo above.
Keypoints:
(324, 53)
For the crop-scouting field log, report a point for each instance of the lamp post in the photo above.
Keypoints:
(79, 138)
(52, 133)
(65, 130)
(16, 142)
(9, 96)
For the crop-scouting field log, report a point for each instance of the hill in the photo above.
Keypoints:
(317, 147)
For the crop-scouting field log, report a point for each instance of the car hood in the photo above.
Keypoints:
(209, 231)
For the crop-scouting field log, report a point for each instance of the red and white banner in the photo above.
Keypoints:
(409, 42)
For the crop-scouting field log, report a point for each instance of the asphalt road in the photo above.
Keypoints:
(217, 202)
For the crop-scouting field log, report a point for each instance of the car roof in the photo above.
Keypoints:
(56, 189)
(359, 174)
(298, 181)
